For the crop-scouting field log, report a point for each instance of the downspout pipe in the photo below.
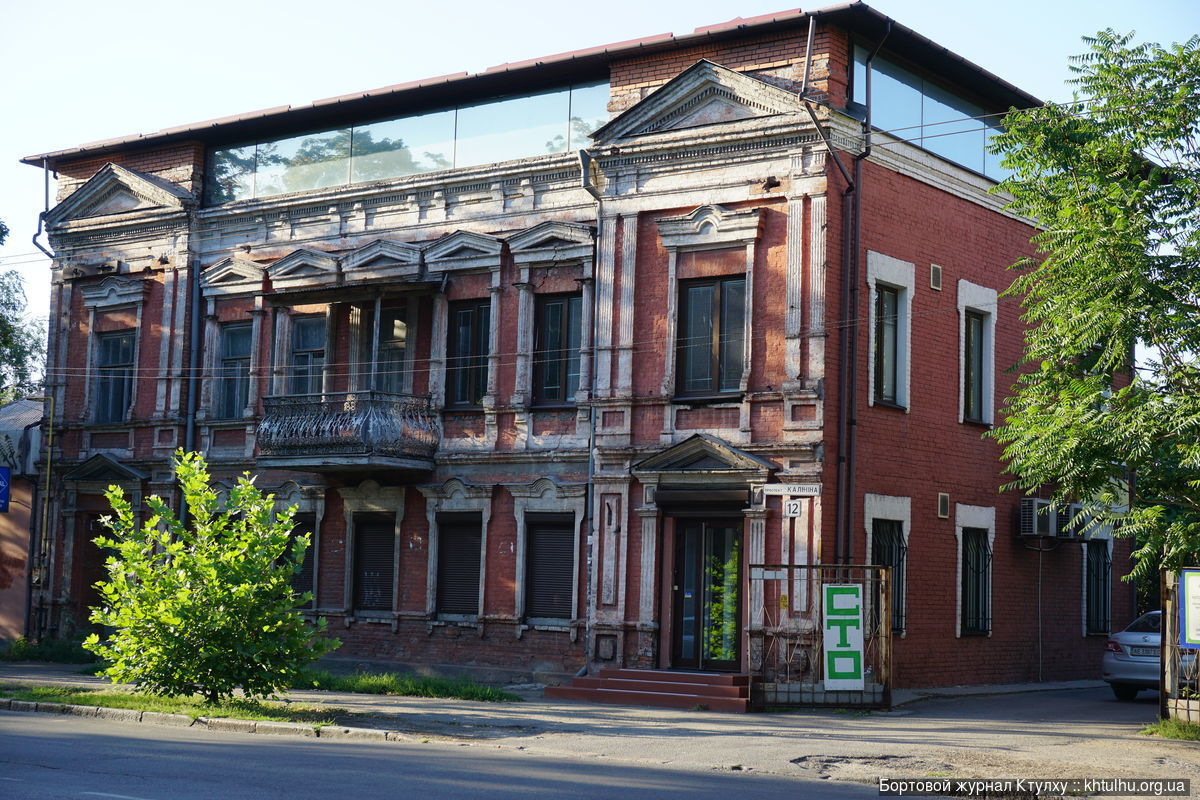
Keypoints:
(45, 208)
(195, 332)
(589, 497)
(849, 333)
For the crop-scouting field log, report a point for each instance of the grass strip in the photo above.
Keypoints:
(398, 685)
(1174, 729)
(193, 707)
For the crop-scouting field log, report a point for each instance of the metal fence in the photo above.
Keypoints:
(787, 635)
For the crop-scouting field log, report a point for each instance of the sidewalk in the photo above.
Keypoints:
(952, 730)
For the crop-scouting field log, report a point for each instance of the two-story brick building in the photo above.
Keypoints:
(539, 352)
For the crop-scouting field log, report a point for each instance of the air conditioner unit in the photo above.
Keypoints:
(1037, 517)
(1071, 521)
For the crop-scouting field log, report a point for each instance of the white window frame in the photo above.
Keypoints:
(983, 301)
(966, 516)
(899, 275)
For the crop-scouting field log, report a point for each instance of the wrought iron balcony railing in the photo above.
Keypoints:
(366, 423)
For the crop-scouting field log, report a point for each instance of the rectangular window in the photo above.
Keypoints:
(974, 366)
(302, 580)
(1099, 581)
(976, 582)
(233, 371)
(459, 541)
(888, 549)
(887, 318)
(393, 342)
(558, 323)
(467, 351)
(711, 343)
(549, 566)
(114, 375)
(374, 554)
(306, 372)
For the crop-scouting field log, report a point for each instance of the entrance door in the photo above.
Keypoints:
(707, 594)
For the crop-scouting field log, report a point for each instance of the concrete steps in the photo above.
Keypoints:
(659, 688)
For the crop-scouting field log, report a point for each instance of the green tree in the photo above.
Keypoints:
(22, 341)
(208, 607)
(1113, 182)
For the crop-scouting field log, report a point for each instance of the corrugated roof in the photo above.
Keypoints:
(20, 414)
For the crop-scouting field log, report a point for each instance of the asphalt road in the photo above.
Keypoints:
(47, 756)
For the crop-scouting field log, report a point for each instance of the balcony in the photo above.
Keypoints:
(348, 431)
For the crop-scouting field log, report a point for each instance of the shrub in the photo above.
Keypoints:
(207, 607)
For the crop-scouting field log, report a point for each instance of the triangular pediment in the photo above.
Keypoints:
(703, 94)
(303, 267)
(702, 453)
(119, 190)
(104, 469)
(464, 250)
(232, 275)
(382, 258)
(552, 241)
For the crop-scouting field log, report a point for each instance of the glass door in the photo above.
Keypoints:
(707, 595)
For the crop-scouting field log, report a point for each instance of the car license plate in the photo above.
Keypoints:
(1144, 651)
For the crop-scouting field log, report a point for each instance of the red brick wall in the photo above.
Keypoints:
(182, 164)
(926, 451)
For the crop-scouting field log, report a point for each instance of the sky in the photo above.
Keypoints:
(80, 70)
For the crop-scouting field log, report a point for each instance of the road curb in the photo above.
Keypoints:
(217, 724)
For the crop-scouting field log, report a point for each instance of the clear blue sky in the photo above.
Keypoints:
(77, 71)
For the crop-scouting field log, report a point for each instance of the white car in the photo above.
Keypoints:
(1131, 657)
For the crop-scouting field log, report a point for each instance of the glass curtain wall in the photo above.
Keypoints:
(501, 129)
(928, 115)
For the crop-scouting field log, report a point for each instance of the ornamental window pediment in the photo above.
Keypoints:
(464, 250)
(551, 242)
(303, 268)
(114, 292)
(232, 276)
(709, 226)
(382, 259)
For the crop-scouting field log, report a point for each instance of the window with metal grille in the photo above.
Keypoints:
(712, 336)
(887, 319)
(549, 566)
(233, 371)
(1099, 582)
(302, 580)
(976, 582)
(888, 549)
(114, 375)
(306, 372)
(374, 565)
(973, 366)
(459, 541)
(556, 349)
(467, 351)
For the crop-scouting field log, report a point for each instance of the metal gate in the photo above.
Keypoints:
(789, 630)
